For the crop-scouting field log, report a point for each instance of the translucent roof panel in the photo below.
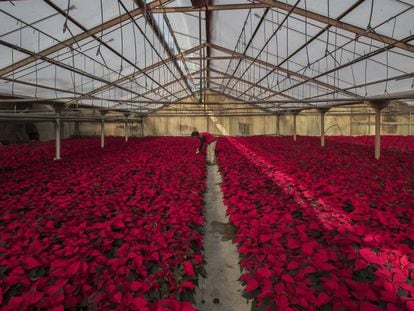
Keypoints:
(115, 53)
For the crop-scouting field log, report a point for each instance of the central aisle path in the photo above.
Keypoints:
(221, 290)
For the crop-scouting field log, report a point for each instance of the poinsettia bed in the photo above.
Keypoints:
(115, 228)
(322, 229)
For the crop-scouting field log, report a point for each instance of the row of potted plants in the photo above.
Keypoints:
(322, 228)
(115, 228)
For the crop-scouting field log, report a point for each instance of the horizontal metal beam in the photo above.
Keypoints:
(338, 24)
(408, 95)
(298, 11)
(136, 73)
(222, 7)
(210, 58)
(272, 66)
(251, 83)
(83, 35)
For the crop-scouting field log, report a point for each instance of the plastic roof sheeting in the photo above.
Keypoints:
(114, 54)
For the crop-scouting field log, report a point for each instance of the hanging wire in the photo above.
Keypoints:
(145, 52)
(65, 24)
(306, 35)
(152, 57)
(370, 16)
(387, 73)
(386, 55)
(103, 75)
(267, 51)
(12, 56)
(98, 51)
(122, 42)
(336, 72)
(84, 69)
(135, 48)
(55, 82)
(327, 33)
(36, 72)
(366, 70)
(73, 74)
(287, 49)
(21, 35)
(277, 50)
(273, 30)
(353, 74)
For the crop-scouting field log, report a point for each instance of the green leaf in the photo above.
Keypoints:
(315, 234)
(3, 272)
(348, 207)
(402, 293)
(188, 295)
(409, 242)
(152, 296)
(297, 215)
(299, 307)
(356, 246)
(13, 291)
(110, 254)
(202, 272)
(165, 290)
(118, 243)
(154, 269)
(252, 294)
(327, 307)
(265, 305)
(37, 273)
(365, 275)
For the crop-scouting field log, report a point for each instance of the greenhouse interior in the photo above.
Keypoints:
(207, 155)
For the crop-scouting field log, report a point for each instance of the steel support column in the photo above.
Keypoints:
(294, 125)
(103, 113)
(58, 109)
(378, 106)
(322, 112)
(126, 115)
(278, 124)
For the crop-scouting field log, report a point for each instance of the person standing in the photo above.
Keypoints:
(209, 141)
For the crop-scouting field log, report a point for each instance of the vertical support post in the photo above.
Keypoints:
(411, 124)
(322, 112)
(57, 136)
(142, 127)
(126, 131)
(278, 124)
(377, 133)
(369, 124)
(102, 133)
(294, 125)
(378, 106)
(58, 109)
(103, 113)
(126, 115)
(77, 129)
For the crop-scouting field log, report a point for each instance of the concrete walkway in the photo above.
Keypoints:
(221, 290)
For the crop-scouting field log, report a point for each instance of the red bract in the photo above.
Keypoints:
(113, 228)
(333, 226)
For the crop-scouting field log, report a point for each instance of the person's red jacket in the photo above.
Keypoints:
(207, 138)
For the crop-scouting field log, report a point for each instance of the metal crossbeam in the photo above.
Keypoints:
(77, 38)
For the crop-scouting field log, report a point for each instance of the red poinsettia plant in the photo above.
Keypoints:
(119, 228)
(322, 228)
